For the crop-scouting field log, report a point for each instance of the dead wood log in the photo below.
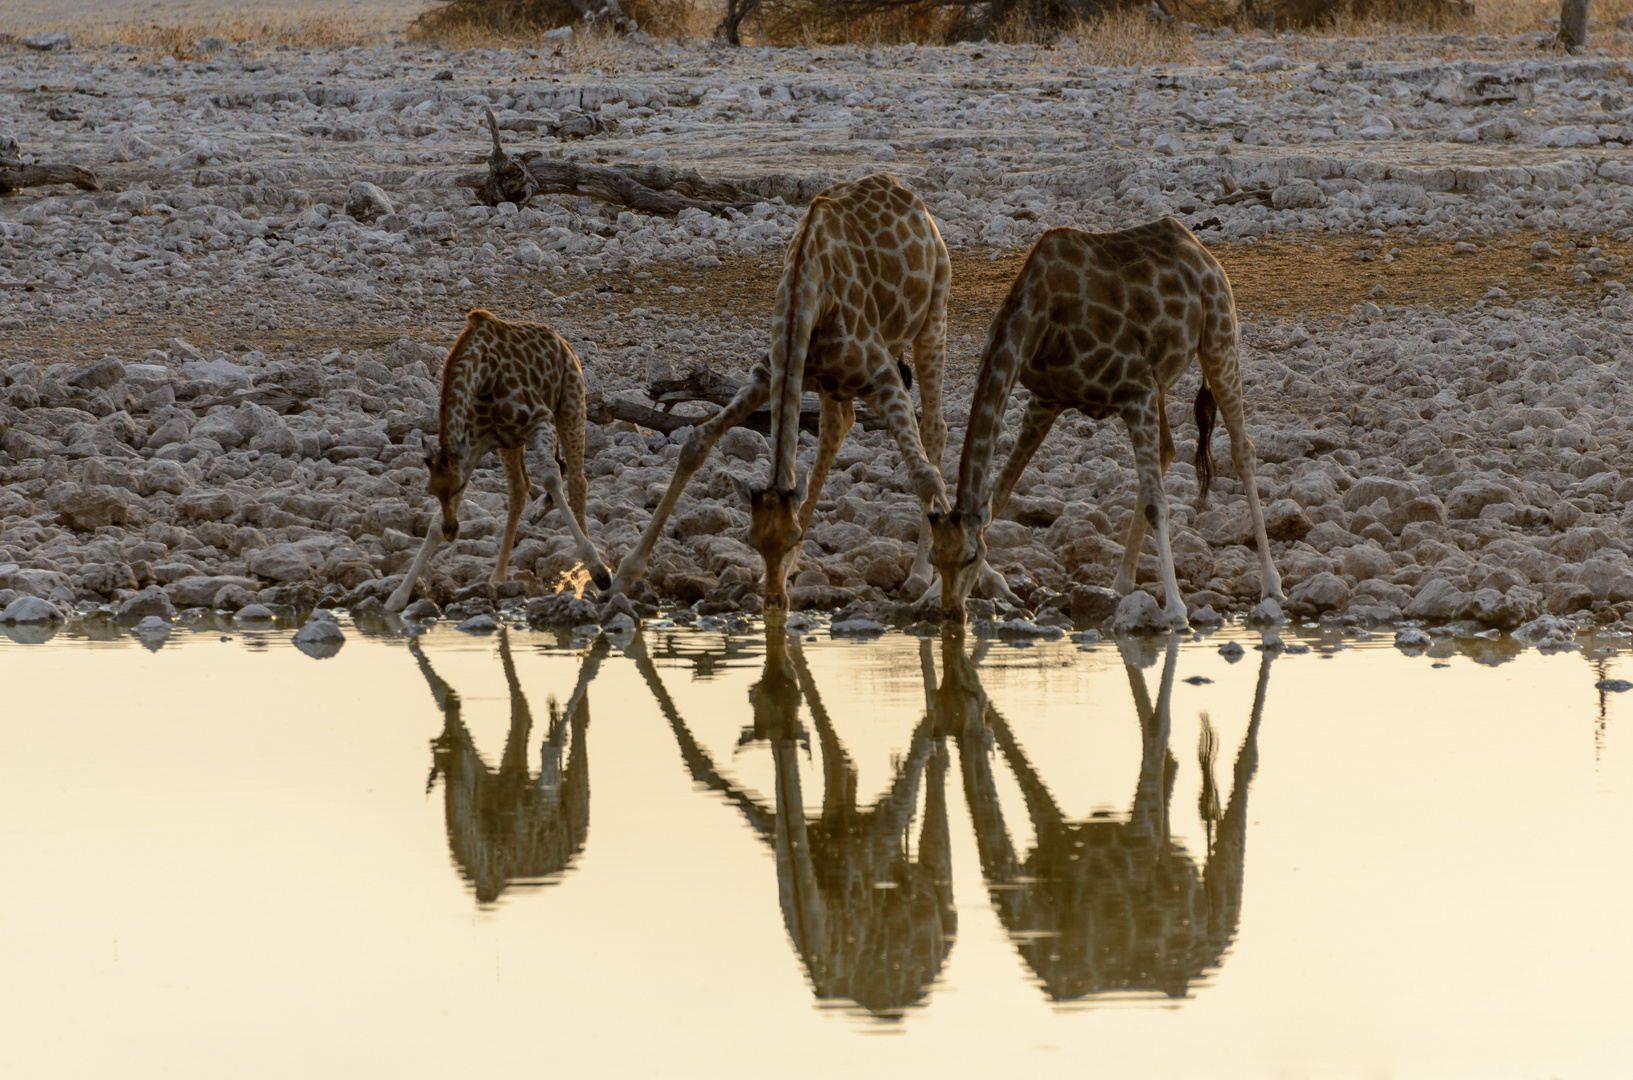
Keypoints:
(508, 179)
(278, 400)
(715, 389)
(618, 186)
(517, 178)
(14, 176)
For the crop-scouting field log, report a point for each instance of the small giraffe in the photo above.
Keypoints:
(507, 386)
(1103, 323)
(866, 276)
(508, 826)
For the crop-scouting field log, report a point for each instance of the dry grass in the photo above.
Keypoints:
(1125, 38)
(296, 29)
(1118, 39)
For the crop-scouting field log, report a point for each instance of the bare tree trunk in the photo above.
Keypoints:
(736, 12)
(1573, 24)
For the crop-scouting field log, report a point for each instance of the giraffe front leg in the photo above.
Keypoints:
(544, 440)
(756, 392)
(1035, 427)
(399, 596)
(1144, 433)
(516, 478)
(838, 417)
(891, 402)
(1123, 584)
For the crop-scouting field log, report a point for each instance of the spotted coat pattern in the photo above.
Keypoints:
(865, 278)
(507, 386)
(1103, 323)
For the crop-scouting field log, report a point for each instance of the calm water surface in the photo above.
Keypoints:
(688, 853)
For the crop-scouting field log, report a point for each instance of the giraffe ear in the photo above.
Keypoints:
(741, 486)
(982, 517)
(801, 486)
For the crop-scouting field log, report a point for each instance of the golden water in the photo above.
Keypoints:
(223, 858)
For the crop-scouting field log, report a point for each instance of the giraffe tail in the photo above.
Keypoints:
(1206, 412)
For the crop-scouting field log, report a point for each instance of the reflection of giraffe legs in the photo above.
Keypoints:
(505, 824)
(879, 946)
(1103, 905)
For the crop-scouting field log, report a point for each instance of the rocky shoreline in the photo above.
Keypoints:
(1467, 465)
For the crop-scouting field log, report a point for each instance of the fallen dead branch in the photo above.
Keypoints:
(712, 388)
(14, 176)
(651, 188)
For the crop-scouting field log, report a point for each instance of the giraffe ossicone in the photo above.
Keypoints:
(865, 278)
(1103, 323)
(507, 386)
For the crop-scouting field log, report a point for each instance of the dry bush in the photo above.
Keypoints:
(1315, 14)
(476, 23)
(835, 23)
(1125, 38)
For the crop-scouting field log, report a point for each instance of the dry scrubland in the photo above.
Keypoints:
(218, 374)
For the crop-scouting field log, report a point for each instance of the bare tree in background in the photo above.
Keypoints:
(1573, 24)
(736, 12)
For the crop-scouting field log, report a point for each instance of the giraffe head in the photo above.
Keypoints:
(449, 474)
(775, 531)
(957, 547)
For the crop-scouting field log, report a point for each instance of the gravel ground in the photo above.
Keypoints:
(1427, 255)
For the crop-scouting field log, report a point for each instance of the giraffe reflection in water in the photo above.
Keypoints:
(871, 920)
(1101, 905)
(507, 826)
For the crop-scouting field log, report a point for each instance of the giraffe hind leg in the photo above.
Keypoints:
(550, 480)
(1222, 371)
(1144, 431)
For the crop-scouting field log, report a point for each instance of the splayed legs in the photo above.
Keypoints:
(756, 392)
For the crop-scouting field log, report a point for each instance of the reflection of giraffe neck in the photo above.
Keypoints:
(878, 946)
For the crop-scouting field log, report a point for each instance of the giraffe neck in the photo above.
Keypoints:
(798, 297)
(1000, 364)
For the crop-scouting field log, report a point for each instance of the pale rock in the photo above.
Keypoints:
(1436, 599)
(1412, 640)
(94, 506)
(320, 638)
(163, 476)
(1285, 519)
(30, 609)
(744, 445)
(1364, 561)
(1318, 594)
(1266, 612)
(1137, 613)
(150, 603)
(365, 201)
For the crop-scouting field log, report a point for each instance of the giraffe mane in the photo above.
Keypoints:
(472, 319)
